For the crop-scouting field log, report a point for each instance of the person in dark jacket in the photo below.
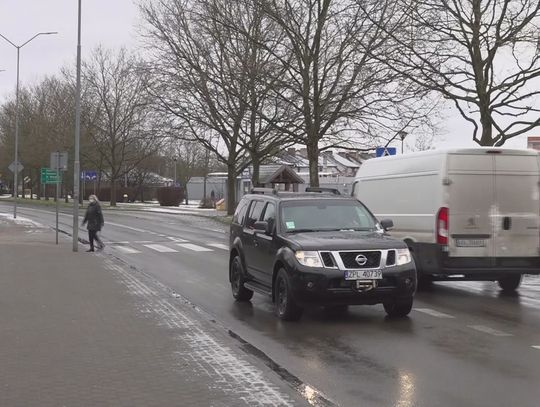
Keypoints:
(94, 218)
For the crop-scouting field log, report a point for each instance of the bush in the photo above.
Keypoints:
(170, 196)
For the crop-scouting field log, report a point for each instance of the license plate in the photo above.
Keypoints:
(470, 243)
(363, 274)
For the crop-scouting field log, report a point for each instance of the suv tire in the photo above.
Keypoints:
(286, 307)
(239, 292)
(510, 283)
(398, 309)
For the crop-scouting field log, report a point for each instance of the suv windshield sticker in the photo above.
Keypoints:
(290, 225)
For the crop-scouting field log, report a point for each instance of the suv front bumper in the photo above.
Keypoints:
(326, 287)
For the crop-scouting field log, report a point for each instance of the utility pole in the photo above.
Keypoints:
(77, 162)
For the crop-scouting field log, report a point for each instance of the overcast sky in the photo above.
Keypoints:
(112, 23)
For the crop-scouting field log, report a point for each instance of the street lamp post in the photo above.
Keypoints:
(77, 163)
(402, 134)
(16, 172)
(175, 160)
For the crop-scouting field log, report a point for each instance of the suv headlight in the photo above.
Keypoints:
(309, 259)
(403, 256)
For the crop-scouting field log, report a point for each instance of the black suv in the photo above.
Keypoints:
(317, 248)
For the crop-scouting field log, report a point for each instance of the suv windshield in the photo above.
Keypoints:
(322, 215)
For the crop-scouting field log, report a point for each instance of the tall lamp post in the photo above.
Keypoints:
(16, 172)
(402, 134)
(76, 162)
(175, 161)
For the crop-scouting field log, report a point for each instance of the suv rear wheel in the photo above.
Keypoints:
(239, 292)
(398, 309)
(286, 307)
(510, 283)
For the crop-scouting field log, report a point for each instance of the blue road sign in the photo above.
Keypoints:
(384, 151)
(89, 175)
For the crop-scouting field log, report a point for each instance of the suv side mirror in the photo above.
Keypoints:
(263, 226)
(387, 224)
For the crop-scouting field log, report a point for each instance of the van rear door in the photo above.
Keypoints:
(516, 227)
(470, 198)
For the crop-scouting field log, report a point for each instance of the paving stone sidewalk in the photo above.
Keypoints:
(79, 329)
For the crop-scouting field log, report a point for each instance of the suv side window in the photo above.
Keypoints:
(240, 212)
(255, 211)
(270, 214)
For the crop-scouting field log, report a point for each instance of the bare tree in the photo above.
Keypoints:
(123, 131)
(482, 55)
(334, 79)
(211, 79)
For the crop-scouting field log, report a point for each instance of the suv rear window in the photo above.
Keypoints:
(326, 215)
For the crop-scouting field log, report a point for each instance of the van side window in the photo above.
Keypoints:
(240, 212)
(255, 211)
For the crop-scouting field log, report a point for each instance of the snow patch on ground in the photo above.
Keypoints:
(22, 221)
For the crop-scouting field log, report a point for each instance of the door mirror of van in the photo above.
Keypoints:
(387, 224)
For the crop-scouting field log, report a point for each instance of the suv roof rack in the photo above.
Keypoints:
(264, 191)
(323, 190)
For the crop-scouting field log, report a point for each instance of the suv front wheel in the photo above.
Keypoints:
(239, 292)
(286, 307)
(398, 309)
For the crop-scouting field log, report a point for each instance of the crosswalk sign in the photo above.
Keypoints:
(385, 151)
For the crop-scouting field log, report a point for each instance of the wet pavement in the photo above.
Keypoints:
(464, 344)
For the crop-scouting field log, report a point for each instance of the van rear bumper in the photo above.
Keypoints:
(433, 260)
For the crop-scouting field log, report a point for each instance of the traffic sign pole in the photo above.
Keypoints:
(57, 192)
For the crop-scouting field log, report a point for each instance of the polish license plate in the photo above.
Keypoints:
(470, 243)
(363, 274)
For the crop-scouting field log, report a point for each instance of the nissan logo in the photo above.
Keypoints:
(361, 260)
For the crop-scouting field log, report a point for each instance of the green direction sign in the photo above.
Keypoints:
(49, 176)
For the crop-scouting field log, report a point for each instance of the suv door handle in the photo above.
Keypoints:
(507, 223)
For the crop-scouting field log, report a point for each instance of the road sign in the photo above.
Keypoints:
(49, 176)
(59, 160)
(385, 151)
(89, 175)
(14, 166)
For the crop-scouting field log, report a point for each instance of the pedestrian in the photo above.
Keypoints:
(94, 218)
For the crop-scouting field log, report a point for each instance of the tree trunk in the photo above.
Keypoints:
(487, 130)
(255, 162)
(231, 188)
(313, 157)
(113, 192)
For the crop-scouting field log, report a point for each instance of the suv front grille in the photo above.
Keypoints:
(349, 259)
(328, 259)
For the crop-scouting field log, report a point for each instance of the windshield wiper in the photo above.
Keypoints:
(303, 230)
(356, 229)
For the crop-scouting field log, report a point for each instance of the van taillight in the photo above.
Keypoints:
(442, 226)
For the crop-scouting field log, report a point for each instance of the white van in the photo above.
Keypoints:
(470, 214)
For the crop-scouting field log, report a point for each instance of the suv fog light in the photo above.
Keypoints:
(310, 285)
(408, 281)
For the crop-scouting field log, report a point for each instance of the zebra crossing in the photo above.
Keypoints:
(170, 244)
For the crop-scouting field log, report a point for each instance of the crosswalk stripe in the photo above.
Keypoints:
(127, 249)
(176, 239)
(488, 330)
(194, 247)
(536, 347)
(160, 248)
(433, 313)
(219, 246)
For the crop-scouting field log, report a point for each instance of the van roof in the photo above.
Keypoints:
(471, 150)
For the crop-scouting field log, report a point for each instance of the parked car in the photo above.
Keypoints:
(317, 249)
(469, 214)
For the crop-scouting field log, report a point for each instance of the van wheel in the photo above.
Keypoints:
(239, 292)
(398, 309)
(286, 307)
(510, 283)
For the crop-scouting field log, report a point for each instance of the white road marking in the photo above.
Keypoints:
(488, 330)
(194, 247)
(143, 241)
(160, 248)
(127, 249)
(536, 347)
(219, 246)
(176, 239)
(127, 227)
(433, 313)
(115, 243)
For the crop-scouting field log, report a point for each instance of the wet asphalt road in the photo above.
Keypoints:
(464, 344)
